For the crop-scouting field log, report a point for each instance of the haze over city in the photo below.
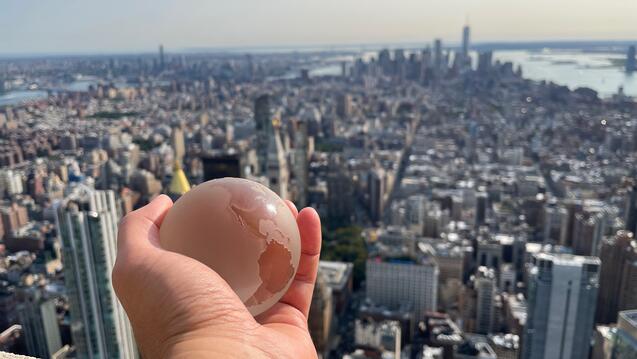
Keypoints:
(65, 26)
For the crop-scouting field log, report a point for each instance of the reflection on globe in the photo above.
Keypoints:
(243, 231)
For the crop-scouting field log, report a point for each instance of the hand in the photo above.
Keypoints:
(179, 307)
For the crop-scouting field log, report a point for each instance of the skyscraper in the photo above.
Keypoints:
(264, 130)
(339, 194)
(277, 166)
(485, 287)
(37, 315)
(394, 283)
(301, 164)
(161, 57)
(618, 276)
(87, 224)
(438, 55)
(376, 187)
(631, 209)
(631, 62)
(465, 43)
(561, 306)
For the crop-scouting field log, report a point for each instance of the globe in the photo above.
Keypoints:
(243, 231)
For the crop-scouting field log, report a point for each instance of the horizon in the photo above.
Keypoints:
(496, 45)
(69, 27)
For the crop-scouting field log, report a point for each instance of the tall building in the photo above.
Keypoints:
(301, 163)
(395, 283)
(161, 57)
(277, 166)
(38, 317)
(631, 209)
(340, 194)
(485, 286)
(438, 59)
(264, 130)
(87, 225)
(376, 187)
(320, 316)
(465, 43)
(561, 306)
(631, 62)
(618, 275)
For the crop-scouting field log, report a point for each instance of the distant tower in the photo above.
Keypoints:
(631, 62)
(264, 130)
(561, 306)
(301, 164)
(87, 224)
(438, 55)
(465, 43)
(161, 57)
(276, 165)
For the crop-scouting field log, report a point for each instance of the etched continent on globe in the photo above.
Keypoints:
(243, 231)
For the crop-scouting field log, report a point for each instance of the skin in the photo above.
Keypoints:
(180, 308)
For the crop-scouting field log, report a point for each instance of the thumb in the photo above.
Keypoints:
(139, 230)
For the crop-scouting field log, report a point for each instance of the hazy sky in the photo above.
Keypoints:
(45, 26)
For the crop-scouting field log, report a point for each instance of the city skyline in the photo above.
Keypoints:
(117, 27)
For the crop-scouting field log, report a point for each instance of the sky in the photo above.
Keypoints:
(92, 26)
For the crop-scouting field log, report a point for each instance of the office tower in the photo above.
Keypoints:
(177, 142)
(561, 305)
(344, 105)
(465, 43)
(38, 317)
(485, 286)
(340, 194)
(438, 55)
(394, 283)
(320, 316)
(301, 163)
(161, 57)
(631, 209)
(631, 62)
(482, 204)
(555, 223)
(618, 275)
(264, 130)
(625, 338)
(277, 166)
(376, 188)
(87, 225)
(485, 60)
(588, 229)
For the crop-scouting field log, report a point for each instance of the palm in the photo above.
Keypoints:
(192, 298)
